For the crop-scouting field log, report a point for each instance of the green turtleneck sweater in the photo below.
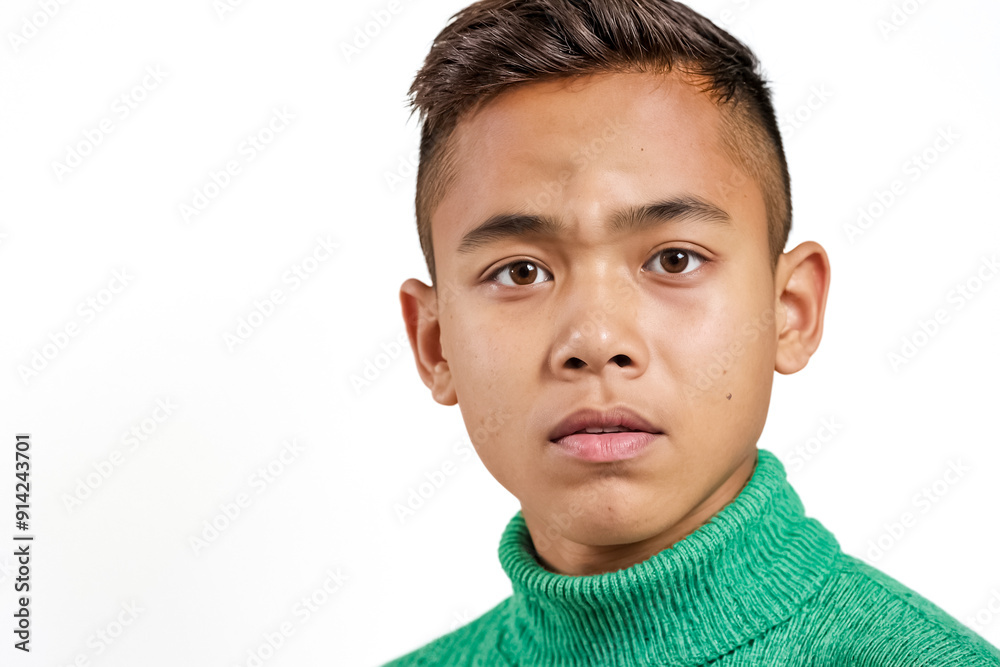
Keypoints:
(759, 584)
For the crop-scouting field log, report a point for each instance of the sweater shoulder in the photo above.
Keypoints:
(874, 619)
(473, 644)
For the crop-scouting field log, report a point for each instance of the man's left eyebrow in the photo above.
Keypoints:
(631, 219)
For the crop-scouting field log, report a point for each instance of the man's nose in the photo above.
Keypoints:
(599, 327)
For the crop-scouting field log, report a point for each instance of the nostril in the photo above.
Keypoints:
(622, 359)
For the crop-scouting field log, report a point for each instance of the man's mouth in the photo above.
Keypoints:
(618, 419)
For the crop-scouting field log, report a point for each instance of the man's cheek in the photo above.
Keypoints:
(709, 364)
(491, 418)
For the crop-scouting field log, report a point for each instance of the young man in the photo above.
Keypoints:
(603, 204)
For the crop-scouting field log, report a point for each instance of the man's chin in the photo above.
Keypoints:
(610, 522)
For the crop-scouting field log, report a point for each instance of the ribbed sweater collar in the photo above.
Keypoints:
(750, 567)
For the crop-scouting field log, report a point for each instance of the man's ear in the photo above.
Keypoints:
(802, 281)
(421, 314)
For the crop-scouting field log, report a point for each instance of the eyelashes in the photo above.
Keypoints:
(528, 270)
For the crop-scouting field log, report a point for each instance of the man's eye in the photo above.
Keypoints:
(523, 272)
(520, 272)
(677, 260)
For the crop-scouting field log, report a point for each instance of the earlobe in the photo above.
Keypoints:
(420, 314)
(802, 285)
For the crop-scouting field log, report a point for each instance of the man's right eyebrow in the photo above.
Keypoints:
(630, 219)
(510, 225)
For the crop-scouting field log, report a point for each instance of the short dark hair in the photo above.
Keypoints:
(493, 45)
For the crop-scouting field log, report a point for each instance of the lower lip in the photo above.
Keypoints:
(604, 447)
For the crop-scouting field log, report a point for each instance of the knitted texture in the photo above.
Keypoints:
(758, 584)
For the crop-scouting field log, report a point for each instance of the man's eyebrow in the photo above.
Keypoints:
(630, 219)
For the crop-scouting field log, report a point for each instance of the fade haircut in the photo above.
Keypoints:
(493, 45)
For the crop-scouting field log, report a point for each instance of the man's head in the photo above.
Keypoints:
(608, 233)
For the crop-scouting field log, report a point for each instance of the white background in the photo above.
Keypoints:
(339, 171)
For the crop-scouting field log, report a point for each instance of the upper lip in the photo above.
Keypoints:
(617, 416)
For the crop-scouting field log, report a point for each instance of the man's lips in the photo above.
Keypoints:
(605, 447)
(617, 418)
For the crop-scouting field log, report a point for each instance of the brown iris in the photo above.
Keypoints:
(523, 270)
(674, 260)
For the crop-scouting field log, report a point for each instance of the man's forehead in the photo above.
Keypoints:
(536, 137)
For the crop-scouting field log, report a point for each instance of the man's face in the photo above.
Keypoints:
(594, 318)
